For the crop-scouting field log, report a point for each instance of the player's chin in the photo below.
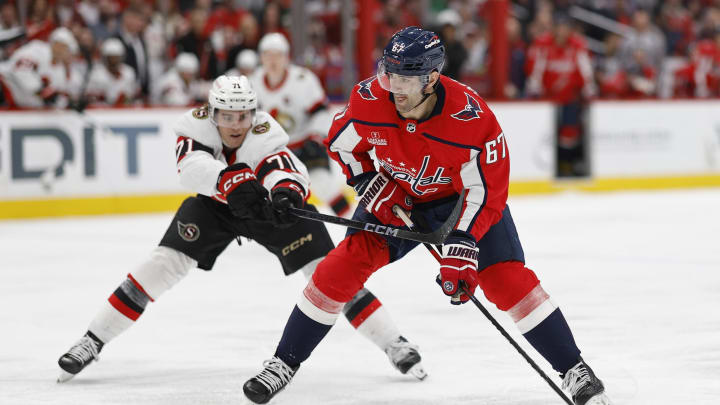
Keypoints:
(235, 140)
(402, 107)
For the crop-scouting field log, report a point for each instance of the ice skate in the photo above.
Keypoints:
(80, 355)
(405, 357)
(584, 386)
(263, 387)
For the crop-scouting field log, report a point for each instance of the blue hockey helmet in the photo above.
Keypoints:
(412, 51)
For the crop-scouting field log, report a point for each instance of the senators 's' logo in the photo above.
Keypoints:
(189, 232)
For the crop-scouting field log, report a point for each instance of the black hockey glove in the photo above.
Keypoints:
(287, 194)
(246, 197)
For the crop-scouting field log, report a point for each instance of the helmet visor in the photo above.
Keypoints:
(238, 120)
(400, 84)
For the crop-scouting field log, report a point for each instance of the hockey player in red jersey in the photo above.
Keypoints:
(432, 138)
(246, 178)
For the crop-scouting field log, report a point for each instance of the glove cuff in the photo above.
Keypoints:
(460, 247)
(292, 185)
(462, 238)
(361, 181)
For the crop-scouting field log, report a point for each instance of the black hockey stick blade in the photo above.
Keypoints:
(436, 237)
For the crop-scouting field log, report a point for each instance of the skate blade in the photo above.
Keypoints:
(64, 376)
(418, 371)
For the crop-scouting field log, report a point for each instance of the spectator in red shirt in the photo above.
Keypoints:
(558, 65)
(559, 69)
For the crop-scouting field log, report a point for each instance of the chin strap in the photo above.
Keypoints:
(426, 95)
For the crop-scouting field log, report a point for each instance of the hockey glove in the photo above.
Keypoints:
(47, 93)
(378, 194)
(458, 263)
(246, 197)
(287, 194)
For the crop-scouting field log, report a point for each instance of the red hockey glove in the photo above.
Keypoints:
(458, 263)
(287, 194)
(246, 197)
(48, 95)
(378, 194)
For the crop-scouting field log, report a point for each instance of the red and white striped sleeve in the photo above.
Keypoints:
(486, 177)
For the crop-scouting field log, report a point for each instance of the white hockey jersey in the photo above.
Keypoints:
(298, 103)
(201, 158)
(171, 89)
(106, 88)
(30, 70)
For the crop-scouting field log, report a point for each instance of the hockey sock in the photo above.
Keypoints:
(300, 337)
(367, 314)
(122, 309)
(553, 339)
(309, 322)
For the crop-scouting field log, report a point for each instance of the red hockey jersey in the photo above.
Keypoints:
(460, 145)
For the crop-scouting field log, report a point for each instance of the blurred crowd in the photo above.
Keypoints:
(74, 53)
(564, 49)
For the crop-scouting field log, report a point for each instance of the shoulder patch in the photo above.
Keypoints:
(200, 113)
(364, 89)
(262, 128)
(471, 111)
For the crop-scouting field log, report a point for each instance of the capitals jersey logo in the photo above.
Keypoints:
(416, 178)
(471, 111)
(364, 89)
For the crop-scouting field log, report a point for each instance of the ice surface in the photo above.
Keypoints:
(636, 274)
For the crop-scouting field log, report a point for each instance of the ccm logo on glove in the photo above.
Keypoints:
(238, 178)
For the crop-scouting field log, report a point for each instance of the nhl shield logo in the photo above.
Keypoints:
(410, 127)
(189, 232)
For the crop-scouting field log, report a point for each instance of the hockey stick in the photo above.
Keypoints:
(434, 238)
(406, 219)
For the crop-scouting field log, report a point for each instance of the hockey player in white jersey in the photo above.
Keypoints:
(180, 85)
(294, 96)
(246, 178)
(246, 62)
(112, 82)
(38, 74)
